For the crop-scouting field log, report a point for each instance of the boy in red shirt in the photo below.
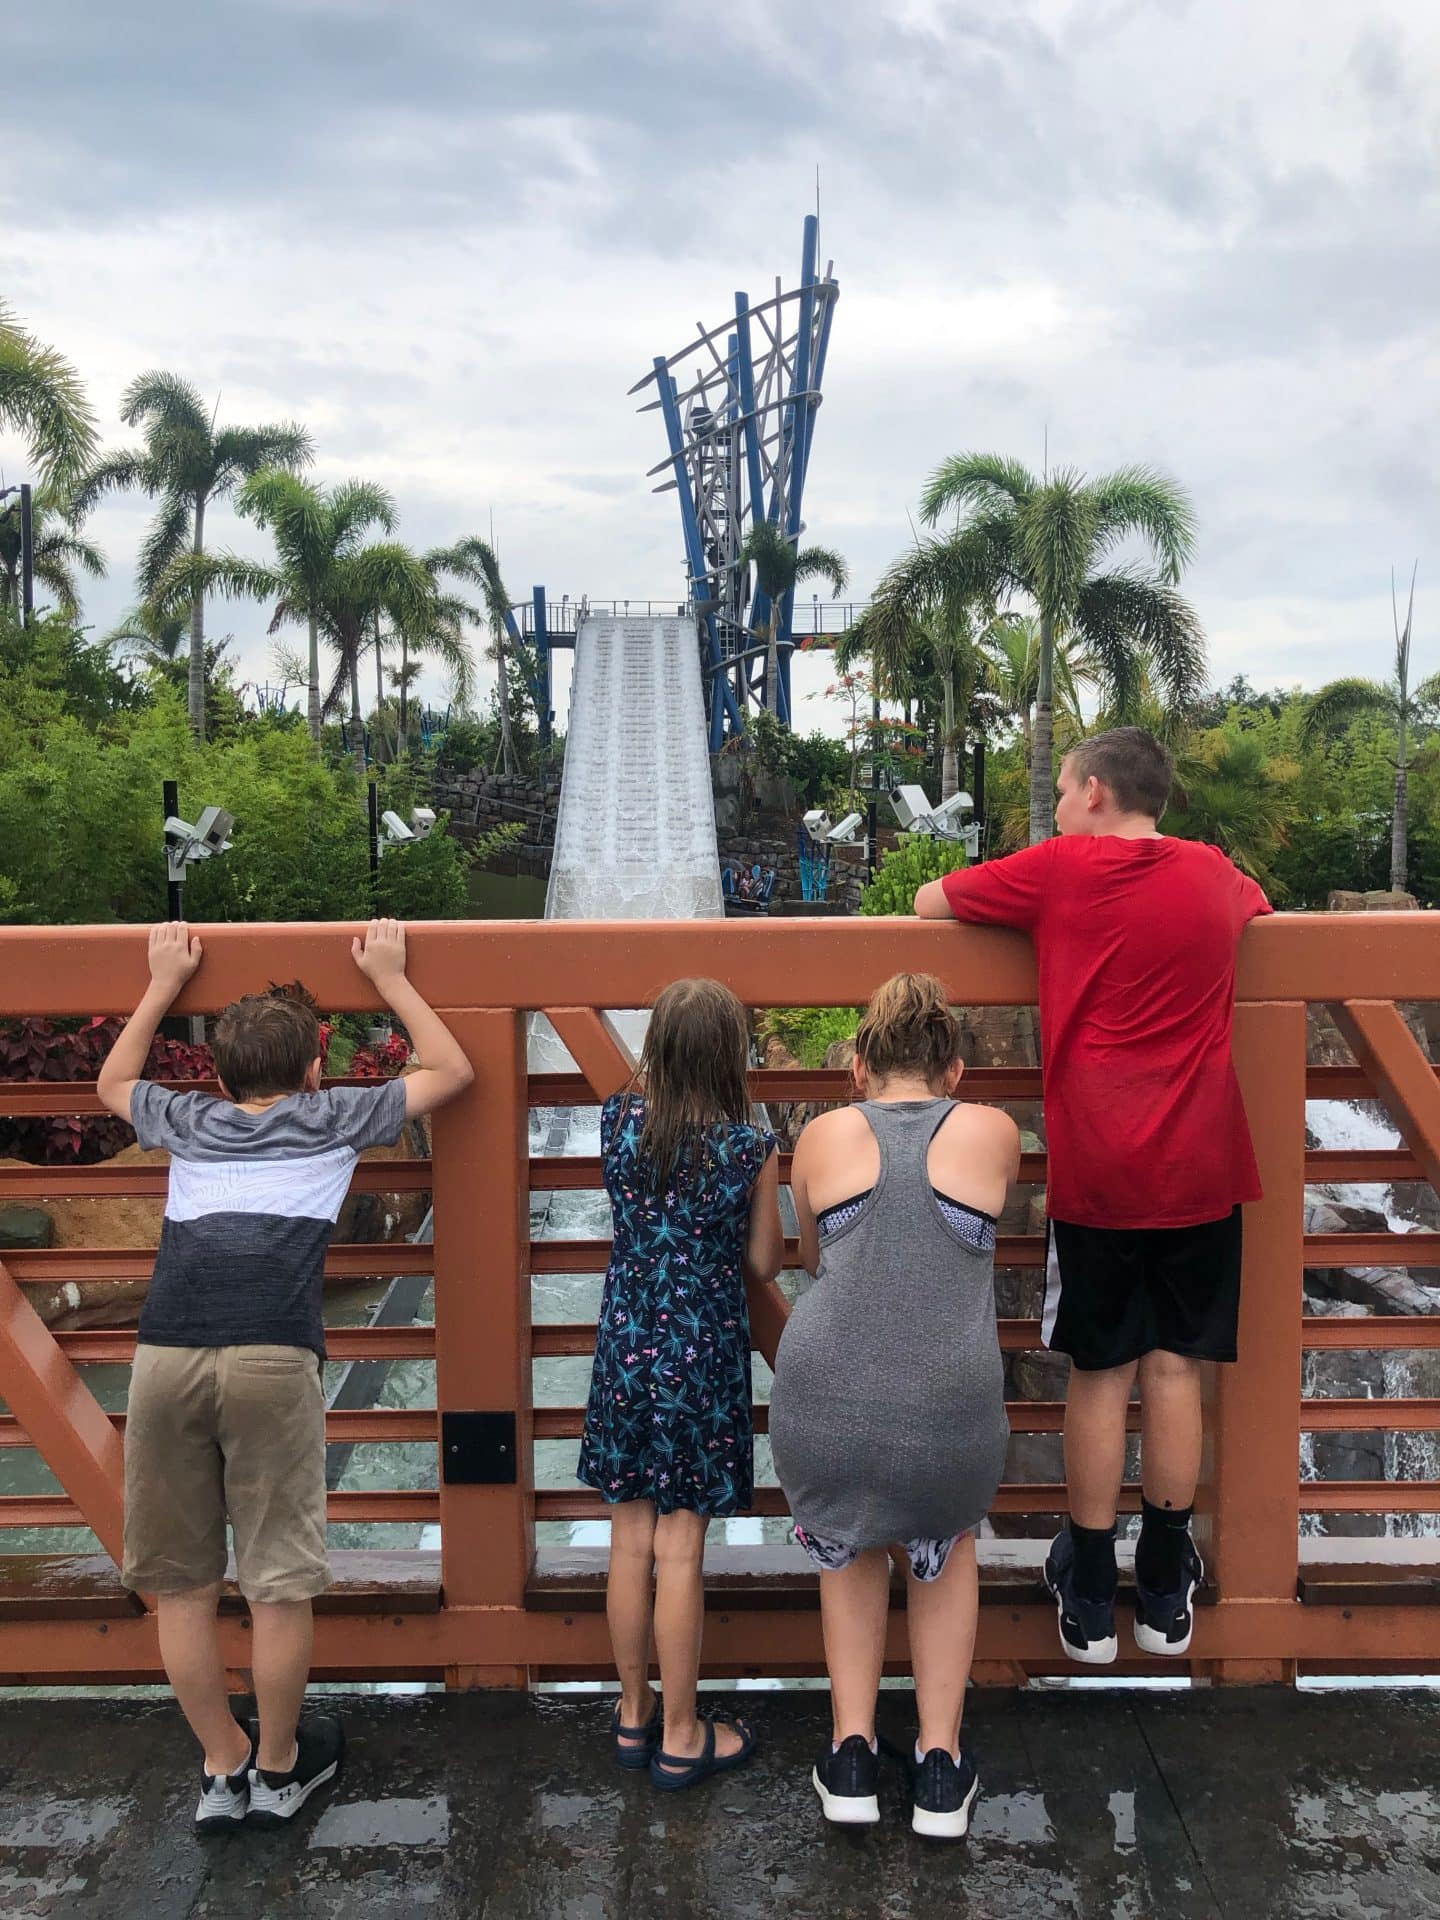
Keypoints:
(1149, 1154)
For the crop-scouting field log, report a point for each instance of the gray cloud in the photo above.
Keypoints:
(450, 237)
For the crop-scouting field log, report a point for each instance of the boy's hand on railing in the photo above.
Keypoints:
(174, 956)
(380, 954)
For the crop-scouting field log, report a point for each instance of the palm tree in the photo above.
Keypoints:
(314, 530)
(151, 635)
(1335, 706)
(57, 549)
(779, 565)
(1012, 671)
(1230, 795)
(185, 464)
(1045, 539)
(904, 653)
(42, 398)
(476, 563)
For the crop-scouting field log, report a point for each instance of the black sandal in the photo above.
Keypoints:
(674, 1772)
(635, 1746)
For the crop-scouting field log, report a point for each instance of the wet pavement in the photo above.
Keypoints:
(1093, 1803)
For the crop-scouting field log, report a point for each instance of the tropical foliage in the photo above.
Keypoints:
(186, 463)
(42, 398)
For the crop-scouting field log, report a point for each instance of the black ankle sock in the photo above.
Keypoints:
(1162, 1541)
(1094, 1562)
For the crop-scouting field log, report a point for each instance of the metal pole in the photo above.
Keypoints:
(977, 791)
(175, 909)
(27, 556)
(373, 804)
(872, 812)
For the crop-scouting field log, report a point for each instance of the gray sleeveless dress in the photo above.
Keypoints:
(887, 1417)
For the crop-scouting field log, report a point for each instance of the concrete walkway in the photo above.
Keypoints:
(1092, 1804)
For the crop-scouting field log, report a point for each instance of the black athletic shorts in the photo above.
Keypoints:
(1115, 1293)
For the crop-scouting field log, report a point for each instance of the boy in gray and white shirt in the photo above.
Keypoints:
(225, 1421)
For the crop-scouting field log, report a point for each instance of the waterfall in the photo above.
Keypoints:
(1364, 1126)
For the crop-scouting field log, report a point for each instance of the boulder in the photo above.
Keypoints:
(1386, 900)
(27, 1228)
(1342, 901)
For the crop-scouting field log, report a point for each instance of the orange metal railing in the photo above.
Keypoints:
(488, 1608)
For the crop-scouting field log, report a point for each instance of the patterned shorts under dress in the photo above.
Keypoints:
(927, 1557)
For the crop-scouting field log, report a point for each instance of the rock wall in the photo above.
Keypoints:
(477, 802)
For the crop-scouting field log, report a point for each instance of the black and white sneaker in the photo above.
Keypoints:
(847, 1782)
(944, 1795)
(1087, 1627)
(1164, 1622)
(276, 1798)
(225, 1798)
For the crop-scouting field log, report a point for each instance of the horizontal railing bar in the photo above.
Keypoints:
(344, 1426)
(395, 1425)
(39, 1099)
(564, 1172)
(1369, 1416)
(1026, 1416)
(558, 1340)
(1370, 1496)
(825, 1084)
(115, 1346)
(45, 1099)
(1372, 1249)
(769, 1502)
(142, 1182)
(1378, 1166)
(1374, 1333)
(82, 971)
(1028, 1250)
(378, 1506)
(365, 1260)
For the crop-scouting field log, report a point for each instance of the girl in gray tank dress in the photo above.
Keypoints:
(887, 1416)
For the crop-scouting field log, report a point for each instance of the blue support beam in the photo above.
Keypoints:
(722, 700)
(542, 655)
(798, 430)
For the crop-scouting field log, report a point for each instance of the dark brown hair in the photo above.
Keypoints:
(1137, 768)
(909, 1028)
(691, 1075)
(263, 1044)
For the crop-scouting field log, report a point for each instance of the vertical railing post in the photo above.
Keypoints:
(482, 1329)
(1249, 1521)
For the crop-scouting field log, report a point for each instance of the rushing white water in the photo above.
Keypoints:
(1358, 1126)
(635, 834)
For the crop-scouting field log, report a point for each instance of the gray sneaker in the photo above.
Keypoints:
(276, 1798)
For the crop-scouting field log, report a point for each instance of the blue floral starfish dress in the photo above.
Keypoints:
(669, 1417)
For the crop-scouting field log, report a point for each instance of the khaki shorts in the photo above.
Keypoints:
(217, 1433)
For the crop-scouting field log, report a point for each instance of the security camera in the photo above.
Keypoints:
(816, 823)
(395, 828)
(951, 809)
(912, 807)
(422, 820)
(212, 829)
(844, 831)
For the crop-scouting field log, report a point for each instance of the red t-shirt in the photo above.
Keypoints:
(1136, 943)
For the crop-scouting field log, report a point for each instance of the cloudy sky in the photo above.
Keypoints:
(449, 236)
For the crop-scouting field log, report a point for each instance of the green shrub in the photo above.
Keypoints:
(906, 868)
(809, 1032)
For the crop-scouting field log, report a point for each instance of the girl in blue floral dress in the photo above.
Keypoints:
(694, 1193)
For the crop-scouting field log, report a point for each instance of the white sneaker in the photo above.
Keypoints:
(224, 1799)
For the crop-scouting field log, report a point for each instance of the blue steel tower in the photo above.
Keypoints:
(740, 419)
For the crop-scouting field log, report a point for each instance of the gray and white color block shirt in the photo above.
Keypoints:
(253, 1201)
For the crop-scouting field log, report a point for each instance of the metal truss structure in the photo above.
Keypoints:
(740, 419)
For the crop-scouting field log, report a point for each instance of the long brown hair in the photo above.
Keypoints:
(909, 1028)
(691, 1076)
